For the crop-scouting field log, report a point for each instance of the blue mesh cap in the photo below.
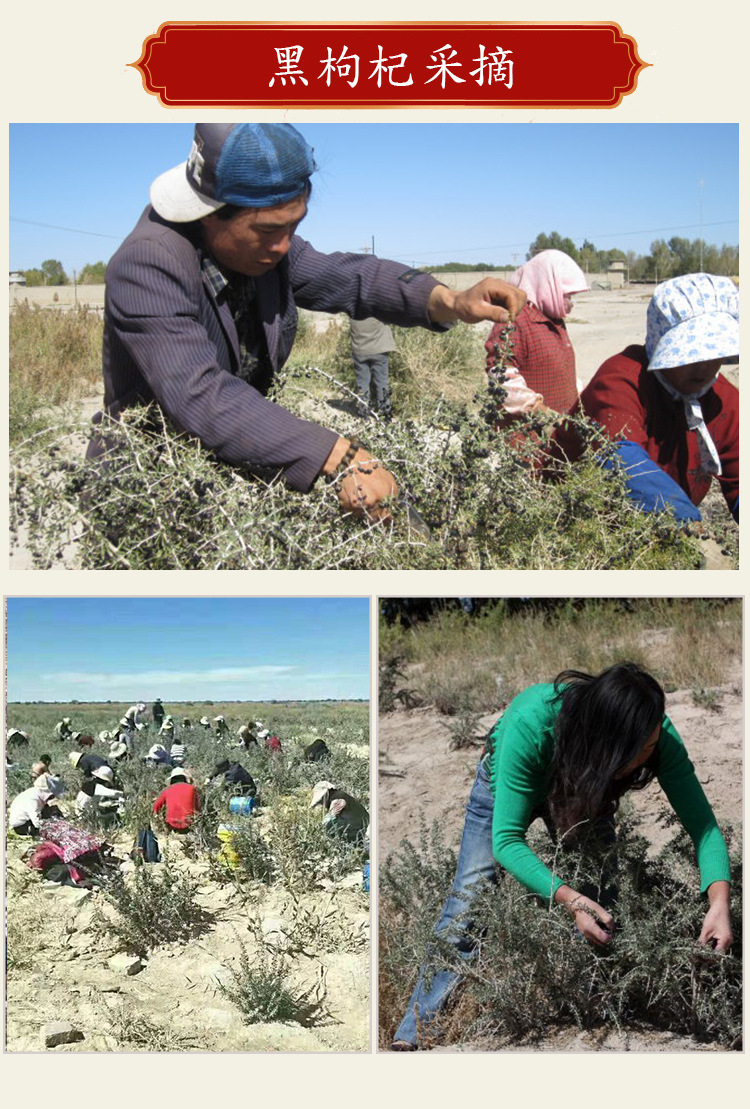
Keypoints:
(253, 165)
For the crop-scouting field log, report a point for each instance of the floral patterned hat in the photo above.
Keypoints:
(694, 318)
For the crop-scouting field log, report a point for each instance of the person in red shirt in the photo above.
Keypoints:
(667, 401)
(181, 801)
(540, 373)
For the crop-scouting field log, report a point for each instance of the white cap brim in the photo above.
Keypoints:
(174, 198)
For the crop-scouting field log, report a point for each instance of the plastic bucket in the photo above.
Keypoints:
(227, 853)
(242, 806)
(366, 877)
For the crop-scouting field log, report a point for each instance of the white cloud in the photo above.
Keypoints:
(179, 677)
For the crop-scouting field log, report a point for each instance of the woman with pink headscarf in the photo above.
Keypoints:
(541, 371)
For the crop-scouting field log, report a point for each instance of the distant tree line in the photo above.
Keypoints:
(669, 258)
(52, 272)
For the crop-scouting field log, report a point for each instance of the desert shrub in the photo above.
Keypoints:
(255, 859)
(316, 928)
(532, 973)
(390, 678)
(155, 904)
(709, 699)
(464, 726)
(482, 499)
(261, 988)
(302, 851)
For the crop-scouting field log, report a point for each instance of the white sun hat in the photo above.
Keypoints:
(103, 773)
(693, 318)
(320, 789)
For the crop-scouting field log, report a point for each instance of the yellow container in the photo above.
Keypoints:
(227, 853)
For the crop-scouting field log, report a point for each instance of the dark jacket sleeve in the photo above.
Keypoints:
(360, 285)
(154, 295)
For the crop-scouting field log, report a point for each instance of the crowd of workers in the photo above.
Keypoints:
(101, 796)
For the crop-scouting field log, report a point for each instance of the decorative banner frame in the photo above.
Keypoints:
(389, 65)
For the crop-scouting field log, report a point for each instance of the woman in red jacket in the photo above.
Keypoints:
(666, 401)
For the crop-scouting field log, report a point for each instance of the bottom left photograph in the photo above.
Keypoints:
(187, 822)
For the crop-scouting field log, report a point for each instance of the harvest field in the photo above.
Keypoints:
(481, 497)
(443, 684)
(266, 950)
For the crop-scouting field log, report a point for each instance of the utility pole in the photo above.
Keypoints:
(700, 241)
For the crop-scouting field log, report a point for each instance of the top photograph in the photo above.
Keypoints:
(374, 346)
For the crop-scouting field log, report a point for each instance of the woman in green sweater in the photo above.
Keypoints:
(567, 752)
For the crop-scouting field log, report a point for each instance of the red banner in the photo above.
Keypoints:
(389, 65)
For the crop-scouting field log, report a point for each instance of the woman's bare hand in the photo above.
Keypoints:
(593, 922)
(717, 927)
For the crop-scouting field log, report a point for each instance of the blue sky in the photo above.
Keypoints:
(427, 193)
(182, 649)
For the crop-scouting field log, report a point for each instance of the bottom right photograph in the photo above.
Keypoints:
(559, 824)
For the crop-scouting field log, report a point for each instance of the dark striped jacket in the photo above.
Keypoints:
(166, 338)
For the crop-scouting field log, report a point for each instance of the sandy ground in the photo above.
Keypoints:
(177, 989)
(418, 775)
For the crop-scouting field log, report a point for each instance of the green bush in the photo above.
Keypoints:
(154, 905)
(532, 974)
(262, 990)
(484, 502)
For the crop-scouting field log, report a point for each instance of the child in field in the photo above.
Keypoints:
(235, 776)
(343, 815)
(567, 752)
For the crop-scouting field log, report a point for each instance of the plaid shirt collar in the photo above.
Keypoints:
(241, 288)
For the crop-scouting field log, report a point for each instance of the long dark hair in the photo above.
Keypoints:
(603, 723)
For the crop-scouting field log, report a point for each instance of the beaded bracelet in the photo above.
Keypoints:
(354, 445)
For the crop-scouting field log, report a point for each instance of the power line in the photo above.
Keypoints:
(594, 235)
(56, 227)
(431, 253)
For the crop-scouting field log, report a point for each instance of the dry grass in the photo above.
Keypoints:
(34, 934)
(686, 643)
(55, 358)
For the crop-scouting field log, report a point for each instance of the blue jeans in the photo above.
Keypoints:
(373, 371)
(475, 862)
